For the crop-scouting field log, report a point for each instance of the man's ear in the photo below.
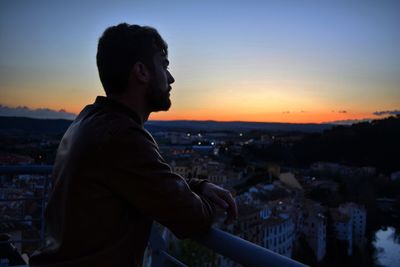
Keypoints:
(140, 72)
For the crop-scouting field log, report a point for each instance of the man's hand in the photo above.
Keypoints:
(222, 198)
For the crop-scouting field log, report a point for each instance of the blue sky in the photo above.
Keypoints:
(293, 61)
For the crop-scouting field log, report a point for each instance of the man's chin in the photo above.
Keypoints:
(166, 108)
(162, 106)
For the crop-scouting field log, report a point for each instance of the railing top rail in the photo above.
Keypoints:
(242, 251)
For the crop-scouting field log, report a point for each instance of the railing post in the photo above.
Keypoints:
(157, 245)
(159, 250)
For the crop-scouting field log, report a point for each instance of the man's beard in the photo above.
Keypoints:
(157, 99)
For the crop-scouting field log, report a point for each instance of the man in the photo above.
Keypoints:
(110, 181)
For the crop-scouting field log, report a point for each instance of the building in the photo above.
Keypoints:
(289, 180)
(217, 177)
(182, 169)
(270, 226)
(343, 226)
(346, 171)
(313, 227)
(14, 159)
(326, 185)
(358, 216)
(279, 233)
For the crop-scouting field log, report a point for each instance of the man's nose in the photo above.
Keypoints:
(170, 78)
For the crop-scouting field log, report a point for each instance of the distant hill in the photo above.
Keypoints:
(33, 126)
(214, 126)
(374, 143)
(59, 126)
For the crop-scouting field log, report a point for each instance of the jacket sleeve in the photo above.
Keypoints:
(195, 184)
(140, 175)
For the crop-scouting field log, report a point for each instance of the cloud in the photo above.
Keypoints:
(342, 111)
(387, 112)
(39, 113)
(293, 112)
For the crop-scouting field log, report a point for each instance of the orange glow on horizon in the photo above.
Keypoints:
(222, 113)
(300, 117)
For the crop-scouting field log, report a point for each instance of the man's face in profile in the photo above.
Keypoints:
(158, 96)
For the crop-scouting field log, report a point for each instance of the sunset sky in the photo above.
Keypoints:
(271, 61)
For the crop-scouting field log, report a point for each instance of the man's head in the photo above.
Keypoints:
(133, 56)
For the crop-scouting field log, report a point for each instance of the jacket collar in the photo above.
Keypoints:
(115, 105)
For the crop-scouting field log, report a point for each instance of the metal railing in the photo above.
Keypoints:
(226, 244)
(242, 251)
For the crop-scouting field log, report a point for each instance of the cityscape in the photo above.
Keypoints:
(318, 212)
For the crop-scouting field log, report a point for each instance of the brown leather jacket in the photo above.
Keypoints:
(110, 183)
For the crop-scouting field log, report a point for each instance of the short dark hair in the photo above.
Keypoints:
(120, 47)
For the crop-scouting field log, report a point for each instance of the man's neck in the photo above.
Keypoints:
(134, 105)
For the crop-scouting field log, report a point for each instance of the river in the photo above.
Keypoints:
(388, 250)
